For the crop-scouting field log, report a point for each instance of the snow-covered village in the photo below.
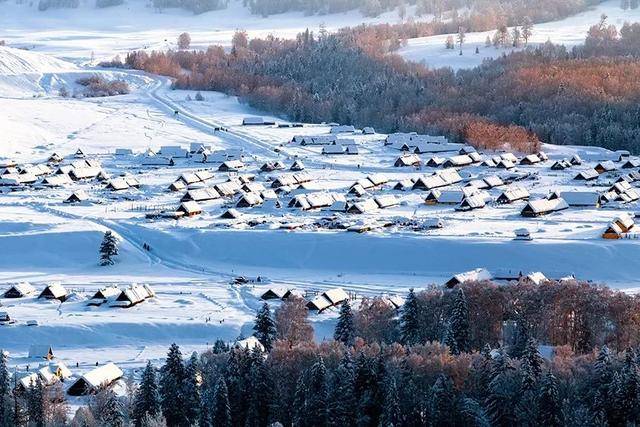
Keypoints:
(335, 213)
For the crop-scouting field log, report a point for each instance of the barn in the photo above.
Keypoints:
(20, 290)
(133, 295)
(93, 380)
(77, 197)
(54, 291)
(41, 351)
(541, 207)
(476, 275)
(190, 208)
(104, 295)
(512, 194)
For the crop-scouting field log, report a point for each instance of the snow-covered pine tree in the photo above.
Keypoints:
(450, 340)
(472, 413)
(260, 395)
(441, 400)
(549, 405)
(108, 248)
(345, 329)
(410, 320)
(531, 365)
(191, 389)
(37, 403)
(221, 411)
(502, 392)
(112, 412)
(391, 415)
(459, 321)
(147, 398)
(265, 327)
(317, 394)
(300, 403)
(630, 388)
(6, 402)
(171, 397)
(342, 402)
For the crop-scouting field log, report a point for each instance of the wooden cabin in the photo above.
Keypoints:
(542, 207)
(95, 379)
(20, 290)
(477, 275)
(190, 209)
(54, 291)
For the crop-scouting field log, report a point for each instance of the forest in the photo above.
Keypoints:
(586, 96)
(480, 354)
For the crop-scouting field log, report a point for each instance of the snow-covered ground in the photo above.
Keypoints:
(193, 261)
(79, 34)
(569, 32)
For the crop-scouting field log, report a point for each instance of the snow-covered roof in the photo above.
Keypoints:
(40, 351)
(478, 274)
(250, 343)
(92, 380)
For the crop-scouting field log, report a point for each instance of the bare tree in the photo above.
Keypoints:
(184, 41)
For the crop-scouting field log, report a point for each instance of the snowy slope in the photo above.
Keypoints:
(570, 32)
(78, 34)
(19, 61)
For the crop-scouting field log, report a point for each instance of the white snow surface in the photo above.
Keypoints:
(193, 261)
(570, 31)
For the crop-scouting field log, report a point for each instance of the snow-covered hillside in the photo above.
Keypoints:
(136, 25)
(569, 32)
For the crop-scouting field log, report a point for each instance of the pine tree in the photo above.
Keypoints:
(342, 402)
(410, 320)
(441, 399)
(147, 399)
(450, 340)
(317, 394)
(345, 329)
(473, 414)
(171, 398)
(108, 248)
(502, 391)
(630, 389)
(603, 376)
(36, 403)
(112, 413)
(221, 411)
(520, 339)
(391, 414)
(531, 365)
(191, 389)
(459, 321)
(260, 398)
(549, 407)
(300, 403)
(265, 327)
(6, 403)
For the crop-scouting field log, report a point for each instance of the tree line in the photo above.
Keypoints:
(470, 355)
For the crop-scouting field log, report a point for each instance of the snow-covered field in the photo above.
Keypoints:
(193, 262)
(569, 32)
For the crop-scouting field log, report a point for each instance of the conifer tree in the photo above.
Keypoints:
(502, 391)
(171, 397)
(531, 365)
(265, 327)
(300, 403)
(6, 403)
(472, 413)
(549, 407)
(36, 403)
(260, 398)
(630, 388)
(391, 415)
(112, 412)
(441, 400)
(191, 389)
(108, 248)
(147, 399)
(221, 411)
(410, 320)
(459, 321)
(345, 329)
(317, 394)
(342, 402)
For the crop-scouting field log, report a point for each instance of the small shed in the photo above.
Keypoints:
(231, 214)
(587, 175)
(104, 295)
(77, 197)
(606, 166)
(407, 160)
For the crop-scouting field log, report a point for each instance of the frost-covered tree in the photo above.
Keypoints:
(345, 329)
(527, 29)
(6, 402)
(37, 404)
(171, 395)
(184, 41)
(342, 403)
(112, 412)
(410, 320)
(317, 394)
(459, 322)
(391, 414)
(531, 363)
(549, 405)
(191, 389)
(221, 411)
(264, 327)
(108, 248)
(260, 393)
(147, 398)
